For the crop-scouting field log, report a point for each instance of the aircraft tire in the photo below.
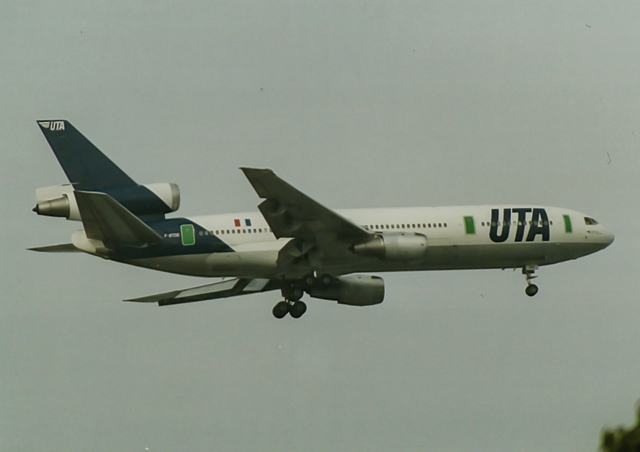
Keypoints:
(298, 309)
(280, 310)
(531, 290)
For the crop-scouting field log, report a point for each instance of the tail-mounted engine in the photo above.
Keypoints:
(398, 246)
(150, 199)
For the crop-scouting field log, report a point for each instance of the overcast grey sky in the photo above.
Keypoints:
(358, 104)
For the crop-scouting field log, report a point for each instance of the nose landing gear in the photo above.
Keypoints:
(529, 272)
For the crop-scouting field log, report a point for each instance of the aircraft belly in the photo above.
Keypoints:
(483, 256)
(186, 264)
(445, 257)
(508, 255)
(249, 264)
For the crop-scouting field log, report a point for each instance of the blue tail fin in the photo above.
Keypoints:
(86, 167)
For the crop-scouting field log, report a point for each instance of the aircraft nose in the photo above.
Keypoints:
(607, 236)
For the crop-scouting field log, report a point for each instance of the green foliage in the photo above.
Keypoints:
(621, 439)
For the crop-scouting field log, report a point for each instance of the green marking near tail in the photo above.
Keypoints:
(188, 234)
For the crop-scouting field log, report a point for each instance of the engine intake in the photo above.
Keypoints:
(353, 290)
(400, 246)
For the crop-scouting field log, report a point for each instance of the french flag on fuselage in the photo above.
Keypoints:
(247, 222)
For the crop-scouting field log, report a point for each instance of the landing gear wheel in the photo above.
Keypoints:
(281, 309)
(297, 309)
(529, 272)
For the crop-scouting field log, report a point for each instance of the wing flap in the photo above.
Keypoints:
(107, 220)
(222, 289)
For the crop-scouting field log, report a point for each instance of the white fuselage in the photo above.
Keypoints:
(461, 237)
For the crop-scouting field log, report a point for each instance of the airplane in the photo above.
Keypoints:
(293, 243)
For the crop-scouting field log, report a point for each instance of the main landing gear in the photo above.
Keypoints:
(292, 292)
(529, 272)
(294, 308)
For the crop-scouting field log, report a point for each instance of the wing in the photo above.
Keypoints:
(222, 289)
(291, 213)
(320, 234)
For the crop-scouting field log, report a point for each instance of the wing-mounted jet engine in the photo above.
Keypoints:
(393, 246)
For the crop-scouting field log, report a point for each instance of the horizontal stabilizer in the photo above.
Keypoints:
(107, 220)
(64, 248)
(222, 289)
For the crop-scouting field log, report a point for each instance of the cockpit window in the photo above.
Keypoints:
(589, 221)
